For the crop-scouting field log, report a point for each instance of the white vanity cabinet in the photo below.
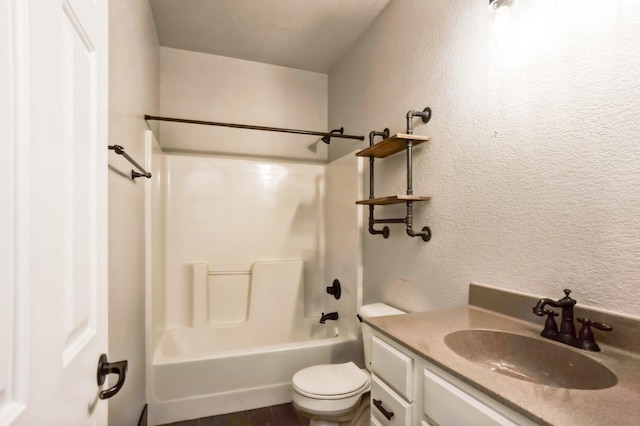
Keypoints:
(409, 390)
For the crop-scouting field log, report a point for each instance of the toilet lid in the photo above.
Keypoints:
(331, 380)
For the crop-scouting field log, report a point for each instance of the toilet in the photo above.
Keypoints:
(338, 394)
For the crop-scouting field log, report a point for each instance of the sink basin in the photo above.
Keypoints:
(530, 359)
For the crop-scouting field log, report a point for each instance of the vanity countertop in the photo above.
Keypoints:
(423, 333)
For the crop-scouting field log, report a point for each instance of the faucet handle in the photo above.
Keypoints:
(599, 325)
(585, 336)
(550, 325)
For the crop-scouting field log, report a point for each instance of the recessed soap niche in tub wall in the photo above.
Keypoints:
(239, 254)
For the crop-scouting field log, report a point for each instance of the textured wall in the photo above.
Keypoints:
(534, 163)
(133, 91)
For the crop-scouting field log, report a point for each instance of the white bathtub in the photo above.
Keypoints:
(209, 371)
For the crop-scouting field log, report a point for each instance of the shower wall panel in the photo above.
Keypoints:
(344, 230)
(231, 212)
(154, 240)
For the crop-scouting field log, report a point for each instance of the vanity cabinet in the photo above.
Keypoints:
(406, 389)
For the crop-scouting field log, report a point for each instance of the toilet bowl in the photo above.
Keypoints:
(338, 394)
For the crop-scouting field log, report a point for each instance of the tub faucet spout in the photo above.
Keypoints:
(329, 316)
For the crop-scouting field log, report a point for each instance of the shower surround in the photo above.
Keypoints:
(240, 251)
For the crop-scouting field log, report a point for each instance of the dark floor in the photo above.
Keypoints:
(277, 415)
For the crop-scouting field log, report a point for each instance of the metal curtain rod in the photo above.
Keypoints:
(247, 126)
(120, 150)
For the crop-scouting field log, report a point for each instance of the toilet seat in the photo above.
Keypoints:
(331, 381)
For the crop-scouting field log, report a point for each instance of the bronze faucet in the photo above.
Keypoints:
(329, 316)
(567, 332)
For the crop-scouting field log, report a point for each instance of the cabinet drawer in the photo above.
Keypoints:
(390, 402)
(393, 366)
(447, 405)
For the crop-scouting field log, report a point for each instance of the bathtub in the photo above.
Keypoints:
(209, 371)
(248, 336)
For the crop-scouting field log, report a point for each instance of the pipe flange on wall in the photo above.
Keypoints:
(426, 115)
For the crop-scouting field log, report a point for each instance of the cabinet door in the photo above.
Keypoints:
(394, 367)
(447, 405)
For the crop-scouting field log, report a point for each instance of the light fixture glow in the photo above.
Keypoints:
(495, 4)
(502, 28)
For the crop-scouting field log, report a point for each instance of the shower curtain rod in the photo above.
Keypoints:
(250, 127)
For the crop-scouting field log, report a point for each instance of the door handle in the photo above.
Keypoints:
(105, 368)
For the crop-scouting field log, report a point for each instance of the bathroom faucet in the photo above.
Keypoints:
(567, 328)
(329, 316)
(567, 332)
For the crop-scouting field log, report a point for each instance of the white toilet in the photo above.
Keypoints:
(338, 394)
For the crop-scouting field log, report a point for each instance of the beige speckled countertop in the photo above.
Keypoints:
(423, 333)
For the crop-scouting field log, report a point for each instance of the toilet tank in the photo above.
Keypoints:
(370, 311)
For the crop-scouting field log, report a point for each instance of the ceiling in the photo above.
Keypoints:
(304, 34)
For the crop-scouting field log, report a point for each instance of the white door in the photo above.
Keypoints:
(53, 186)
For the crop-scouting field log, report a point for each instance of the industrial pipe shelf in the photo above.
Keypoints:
(401, 142)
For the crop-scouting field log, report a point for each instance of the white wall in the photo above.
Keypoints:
(206, 87)
(133, 91)
(534, 163)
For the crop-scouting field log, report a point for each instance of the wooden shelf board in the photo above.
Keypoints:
(393, 199)
(391, 145)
